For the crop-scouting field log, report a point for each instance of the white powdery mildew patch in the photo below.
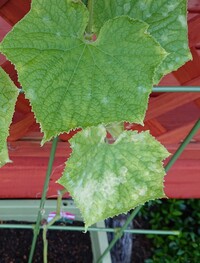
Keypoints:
(137, 137)
(164, 38)
(127, 7)
(73, 144)
(143, 191)
(89, 95)
(182, 20)
(110, 182)
(101, 133)
(105, 100)
(140, 190)
(170, 66)
(46, 19)
(87, 133)
(154, 167)
(58, 34)
(171, 7)
(79, 164)
(164, 14)
(185, 46)
(142, 89)
(3, 122)
(123, 171)
(142, 6)
(121, 137)
(86, 195)
(31, 94)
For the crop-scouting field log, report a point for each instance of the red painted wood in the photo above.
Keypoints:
(14, 10)
(25, 177)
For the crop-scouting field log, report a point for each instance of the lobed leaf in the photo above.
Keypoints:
(72, 82)
(109, 179)
(8, 97)
(167, 23)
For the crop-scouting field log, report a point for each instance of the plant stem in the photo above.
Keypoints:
(90, 22)
(46, 226)
(42, 202)
(115, 129)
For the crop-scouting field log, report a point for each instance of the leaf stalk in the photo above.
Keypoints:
(90, 7)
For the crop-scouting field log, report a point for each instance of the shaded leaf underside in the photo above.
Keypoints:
(109, 179)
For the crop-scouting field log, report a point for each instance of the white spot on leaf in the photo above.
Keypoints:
(58, 34)
(142, 6)
(142, 191)
(127, 7)
(123, 171)
(182, 20)
(87, 133)
(46, 19)
(142, 89)
(31, 94)
(105, 100)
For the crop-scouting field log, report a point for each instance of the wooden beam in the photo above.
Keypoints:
(177, 135)
(193, 29)
(194, 6)
(19, 129)
(12, 11)
(153, 125)
(24, 177)
(183, 180)
(167, 102)
(197, 102)
(190, 70)
(3, 2)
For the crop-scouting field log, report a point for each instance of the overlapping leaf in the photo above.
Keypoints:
(8, 97)
(72, 82)
(167, 20)
(109, 179)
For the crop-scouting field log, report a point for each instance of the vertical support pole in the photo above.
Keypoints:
(119, 233)
(43, 199)
(99, 242)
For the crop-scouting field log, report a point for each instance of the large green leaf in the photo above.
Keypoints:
(72, 82)
(109, 179)
(167, 20)
(8, 97)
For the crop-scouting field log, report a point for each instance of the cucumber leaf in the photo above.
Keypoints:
(72, 82)
(109, 179)
(167, 23)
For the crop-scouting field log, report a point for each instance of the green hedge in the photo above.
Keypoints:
(172, 214)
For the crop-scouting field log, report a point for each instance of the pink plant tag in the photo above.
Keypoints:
(65, 215)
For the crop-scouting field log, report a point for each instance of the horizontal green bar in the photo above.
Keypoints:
(169, 89)
(92, 229)
(176, 89)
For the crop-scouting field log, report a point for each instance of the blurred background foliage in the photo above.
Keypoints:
(173, 214)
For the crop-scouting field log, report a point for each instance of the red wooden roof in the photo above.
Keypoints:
(170, 117)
